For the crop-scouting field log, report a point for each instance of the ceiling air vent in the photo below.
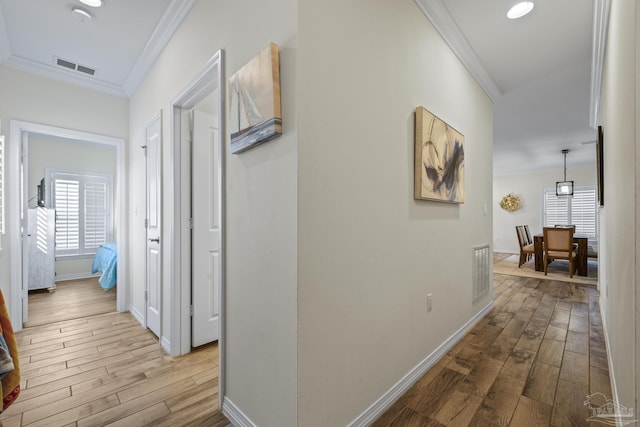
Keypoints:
(86, 70)
(66, 64)
(75, 67)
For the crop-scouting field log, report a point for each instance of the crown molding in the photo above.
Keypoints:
(439, 15)
(5, 46)
(51, 71)
(169, 23)
(600, 25)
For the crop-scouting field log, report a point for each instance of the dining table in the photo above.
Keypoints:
(581, 252)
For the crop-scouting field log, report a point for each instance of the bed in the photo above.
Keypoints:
(105, 262)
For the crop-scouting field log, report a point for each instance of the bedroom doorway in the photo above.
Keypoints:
(38, 147)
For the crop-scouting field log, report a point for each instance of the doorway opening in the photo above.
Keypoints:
(21, 133)
(196, 279)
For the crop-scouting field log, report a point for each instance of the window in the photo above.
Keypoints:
(83, 212)
(579, 210)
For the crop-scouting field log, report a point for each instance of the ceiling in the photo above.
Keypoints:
(120, 43)
(537, 69)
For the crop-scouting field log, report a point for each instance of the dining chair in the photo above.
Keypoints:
(528, 233)
(526, 248)
(592, 249)
(558, 244)
(572, 226)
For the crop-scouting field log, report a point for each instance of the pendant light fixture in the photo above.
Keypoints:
(564, 188)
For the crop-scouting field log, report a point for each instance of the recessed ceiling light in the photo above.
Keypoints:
(520, 9)
(92, 3)
(82, 14)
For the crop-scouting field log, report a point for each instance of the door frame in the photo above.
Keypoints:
(17, 129)
(178, 247)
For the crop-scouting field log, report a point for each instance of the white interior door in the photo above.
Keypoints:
(153, 247)
(205, 203)
(24, 173)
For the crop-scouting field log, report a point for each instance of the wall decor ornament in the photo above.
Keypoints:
(510, 202)
(254, 101)
(439, 160)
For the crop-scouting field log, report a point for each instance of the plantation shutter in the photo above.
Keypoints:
(96, 215)
(67, 205)
(83, 212)
(579, 210)
(556, 209)
(583, 211)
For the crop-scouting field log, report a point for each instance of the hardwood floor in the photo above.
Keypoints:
(531, 361)
(108, 370)
(71, 299)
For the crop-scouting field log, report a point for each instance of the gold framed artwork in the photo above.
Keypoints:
(439, 160)
(254, 101)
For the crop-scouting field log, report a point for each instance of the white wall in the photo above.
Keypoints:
(261, 200)
(529, 187)
(50, 152)
(368, 252)
(32, 98)
(620, 217)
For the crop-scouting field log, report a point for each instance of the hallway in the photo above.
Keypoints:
(532, 361)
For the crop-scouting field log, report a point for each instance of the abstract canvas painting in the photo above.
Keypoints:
(254, 98)
(439, 160)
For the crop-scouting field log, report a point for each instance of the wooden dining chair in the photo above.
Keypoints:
(558, 244)
(526, 247)
(566, 226)
(571, 226)
(528, 234)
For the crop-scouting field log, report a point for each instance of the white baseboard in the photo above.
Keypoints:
(394, 393)
(507, 251)
(136, 315)
(166, 345)
(235, 415)
(612, 377)
(75, 276)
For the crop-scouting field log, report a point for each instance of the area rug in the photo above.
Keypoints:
(557, 270)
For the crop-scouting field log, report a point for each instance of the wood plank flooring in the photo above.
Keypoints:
(530, 362)
(71, 299)
(107, 370)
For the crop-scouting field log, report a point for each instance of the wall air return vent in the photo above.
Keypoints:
(481, 271)
(75, 67)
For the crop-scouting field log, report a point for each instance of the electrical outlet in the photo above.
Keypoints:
(429, 302)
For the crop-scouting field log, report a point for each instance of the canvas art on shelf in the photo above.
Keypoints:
(439, 160)
(254, 98)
